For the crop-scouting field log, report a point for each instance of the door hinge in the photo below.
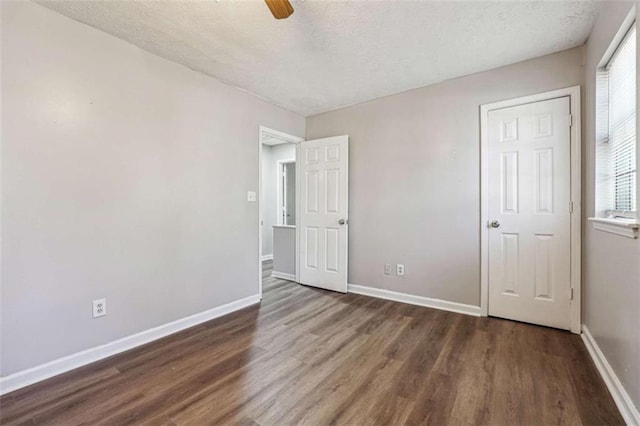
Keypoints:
(570, 206)
(570, 120)
(571, 298)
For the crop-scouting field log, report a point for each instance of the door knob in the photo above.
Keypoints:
(494, 224)
(342, 222)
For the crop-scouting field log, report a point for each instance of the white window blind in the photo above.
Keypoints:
(621, 138)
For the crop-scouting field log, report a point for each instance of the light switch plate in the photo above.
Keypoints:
(251, 196)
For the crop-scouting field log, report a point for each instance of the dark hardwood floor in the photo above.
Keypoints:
(307, 356)
(267, 268)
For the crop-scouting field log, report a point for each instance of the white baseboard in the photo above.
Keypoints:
(267, 257)
(283, 275)
(428, 302)
(622, 399)
(41, 372)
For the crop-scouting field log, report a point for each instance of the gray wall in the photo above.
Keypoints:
(270, 157)
(284, 249)
(124, 176)
(414, 176)
(611, 263)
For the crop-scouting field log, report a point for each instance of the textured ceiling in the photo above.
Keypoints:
(335, 53)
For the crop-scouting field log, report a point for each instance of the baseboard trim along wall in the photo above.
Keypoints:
(411, 299)
(283, 275)
(267, 257)
(62, 365)
(622, 399)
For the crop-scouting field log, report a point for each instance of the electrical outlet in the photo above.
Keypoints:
(399, 269)
(252, 196)
(99, 308)
(387, 269)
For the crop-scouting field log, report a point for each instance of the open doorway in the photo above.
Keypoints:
(278, 204)
(287, 192)
(304, 220)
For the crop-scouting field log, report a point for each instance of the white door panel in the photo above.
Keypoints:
(529, 196)
(324, 172)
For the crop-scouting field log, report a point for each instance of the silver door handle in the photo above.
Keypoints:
(494, 224)
(343, 222)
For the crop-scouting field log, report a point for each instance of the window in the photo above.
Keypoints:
(617, 130)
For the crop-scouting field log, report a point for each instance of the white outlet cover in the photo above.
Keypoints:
(400, 269)
(251, 196)
(99, 308)
(387, 269)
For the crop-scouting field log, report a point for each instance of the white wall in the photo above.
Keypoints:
(270, 157)
(414, 176)
(124, 176)
(290, 194)
(611, 263)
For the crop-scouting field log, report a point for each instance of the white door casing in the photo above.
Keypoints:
(323, 170)
(529, 196)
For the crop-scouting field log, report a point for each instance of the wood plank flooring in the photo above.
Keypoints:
(307, 356)
(267, 268)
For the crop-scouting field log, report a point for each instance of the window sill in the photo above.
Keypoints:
(624, 227)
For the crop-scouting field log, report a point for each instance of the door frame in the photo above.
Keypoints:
(575, 182)
(281, 196)
(266, 133)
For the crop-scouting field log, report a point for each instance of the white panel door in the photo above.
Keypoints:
(323, 222)
(529, 213)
